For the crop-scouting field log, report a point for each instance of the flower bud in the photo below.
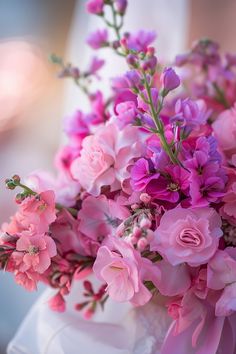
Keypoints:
(170, 80)
(120, 6)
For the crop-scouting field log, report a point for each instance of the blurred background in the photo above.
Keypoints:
(33, 102)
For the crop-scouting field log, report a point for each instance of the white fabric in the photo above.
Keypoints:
(120, 329)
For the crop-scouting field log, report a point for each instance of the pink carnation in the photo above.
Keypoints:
(124, 270)
(188, 235)
(105, 157)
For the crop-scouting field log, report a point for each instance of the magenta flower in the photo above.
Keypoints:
(98, 39)
(34, 253)
(140, 40)
(188, 235)
(95, 7)
(169, 184)
(142, 173)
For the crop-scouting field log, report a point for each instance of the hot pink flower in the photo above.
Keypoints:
(105, 157)
(124, 270)
(34, 253)
(188, 235)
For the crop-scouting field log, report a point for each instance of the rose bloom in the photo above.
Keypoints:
(188, 235)
(225, 131)
(105, 157)
(124, 270)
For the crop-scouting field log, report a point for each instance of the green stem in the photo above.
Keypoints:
(158, 123)
(115, 25)
(27, 189)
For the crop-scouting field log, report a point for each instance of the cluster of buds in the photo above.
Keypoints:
(144, 61)
(137, 229)
(15, 181)
(93, 299)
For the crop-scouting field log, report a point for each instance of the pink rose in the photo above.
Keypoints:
(188, 235)
(105, 157)
(124, 270)
(225, 131)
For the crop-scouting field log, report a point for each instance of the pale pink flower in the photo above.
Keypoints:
(100, 217)
(105, 157)
(179, 280)
(188, 235)
(124, 270)
(221, 269)
(225, 131)
(34, 253)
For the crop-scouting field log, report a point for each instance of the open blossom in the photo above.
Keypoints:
(34, 216)
(105, 157)
(34, 253)
(98, 39)
(124, 270)
(140, 40)
(188, 235)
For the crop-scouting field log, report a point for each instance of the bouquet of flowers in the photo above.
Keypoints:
(145, 194)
